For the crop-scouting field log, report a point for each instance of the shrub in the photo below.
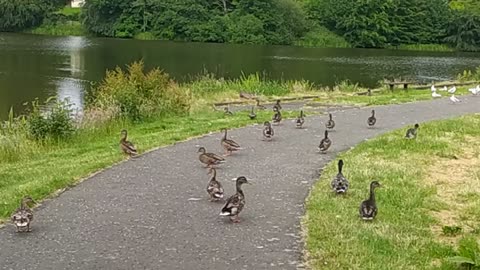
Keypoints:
(137, 95)
(55, 122)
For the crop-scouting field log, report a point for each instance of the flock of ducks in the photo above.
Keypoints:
(452, 91)
(23, 216)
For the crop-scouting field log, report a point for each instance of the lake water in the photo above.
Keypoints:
(40, 66)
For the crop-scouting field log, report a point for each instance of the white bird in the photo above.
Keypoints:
(444, 88)
(436, 95)
(454, 99)
(433, 88)
(475, 90)
(452, 90)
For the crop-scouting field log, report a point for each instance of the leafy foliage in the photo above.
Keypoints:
(468, 253)
(54, 122)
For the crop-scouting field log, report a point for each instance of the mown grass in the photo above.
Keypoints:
(402, 236)
(54, 166)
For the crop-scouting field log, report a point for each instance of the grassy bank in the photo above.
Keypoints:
(429, 207)
(424, 47)
(71, 28)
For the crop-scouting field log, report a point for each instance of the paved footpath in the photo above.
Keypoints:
(137, 215)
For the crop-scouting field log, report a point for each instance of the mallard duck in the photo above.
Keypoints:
(236, 202)
(330, 123)
(268, 131)
(209, 159)
(372, 120)
(300, 120)
(259, 106)
(277, 106)
(277, 117)
(229, 145)
(252, 114)
(340, 183)
(214, 188)
(368, 208)
(412, 132)
(23, 216)
(127, 146)
(227, 111)
(325, 143)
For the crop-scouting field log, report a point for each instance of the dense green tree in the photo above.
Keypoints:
(16, 15)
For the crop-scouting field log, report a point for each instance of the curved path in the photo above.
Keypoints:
(138, 215)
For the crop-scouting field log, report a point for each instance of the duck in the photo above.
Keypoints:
(433, 88)
(475, 91)
(23, 216)
(369, 92)
(268, 131)
(444, 88)
(300, 120)
(236, 202)
(277, 117)
(436, 95)
(452, 90)
(127, 147)
(330, 123)
(252, 114)
(214, 188)
(368, 208)
(209, 159)
(228, 144)
(372, 120)
(259, 106)
(325, 143)
(227, 111)
(339, 183)
(412, 132)
(453, 99)
(277, 106)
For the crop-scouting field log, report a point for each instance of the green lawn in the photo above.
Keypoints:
(430, 187)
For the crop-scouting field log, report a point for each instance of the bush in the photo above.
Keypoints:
(56, 122)
(137, 95)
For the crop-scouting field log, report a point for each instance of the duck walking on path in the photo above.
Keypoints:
(372, 120)
(127, 147)
(236, 202)
(412, 132)
(228, 144)
(368, 208)
(453, 99)
(209, 159)
(252, 114)
(277, 117)
(339, 183)
(259, 106)
(325, 143)
(267, 131)
(23, 216)
(277, 106)
(214, 188)
(300, 120)
(330, 123)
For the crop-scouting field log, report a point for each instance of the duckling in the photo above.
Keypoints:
(277, 117)
(325, 143)
(209, 159)
(227, 111)
(252, 114)
(372, 120)
(412, 132)
(340, 183)
(277, 106)
(368, 208)
(330, 123)
(23, 216)
(214, 188)
(236, 202)
(229, 145)
(300, 120)
(259, 106)
(127, 147)
(268, 131)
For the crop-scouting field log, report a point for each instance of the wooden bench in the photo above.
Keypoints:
(393, 84)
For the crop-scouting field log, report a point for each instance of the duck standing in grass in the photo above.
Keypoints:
(372, 120)
(300, 120)
(339, 183)
(23, 216)
(368, 208)
(214, 188)
(277, 117)
(412, 132)
(259, 106)
(127, 147)
(252, 114)
(325, 143)
(267, 131)
(227, 111)
(209, 159)
(236, 202)
(228, 144)
(330, 124)
(277, 106)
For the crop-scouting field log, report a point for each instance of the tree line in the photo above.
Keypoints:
(363, 23)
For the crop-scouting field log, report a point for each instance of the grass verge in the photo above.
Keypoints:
(55, 166)
(429, 201)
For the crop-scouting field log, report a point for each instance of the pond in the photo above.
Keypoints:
(34, 66)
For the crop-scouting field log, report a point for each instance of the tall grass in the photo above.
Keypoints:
(321, 37)
(424, 47)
